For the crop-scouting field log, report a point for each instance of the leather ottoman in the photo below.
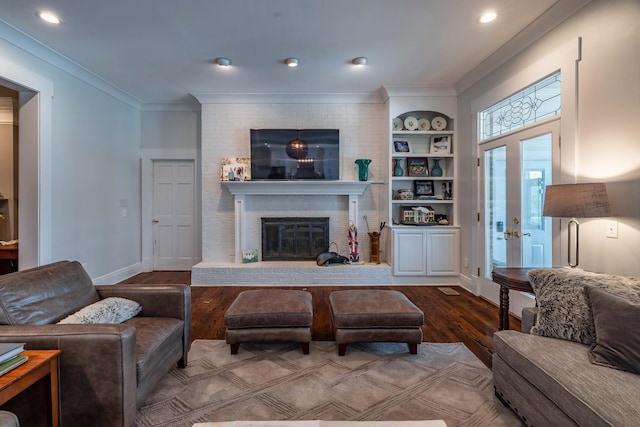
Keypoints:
(362, 315)
(269, 315)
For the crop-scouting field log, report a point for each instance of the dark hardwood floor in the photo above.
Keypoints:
(463, 318)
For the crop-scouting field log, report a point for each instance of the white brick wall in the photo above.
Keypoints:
(225, 133)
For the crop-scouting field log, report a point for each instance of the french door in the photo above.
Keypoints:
(514, 171)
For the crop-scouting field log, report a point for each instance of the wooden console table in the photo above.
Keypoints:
(510, 278)
(41, 364)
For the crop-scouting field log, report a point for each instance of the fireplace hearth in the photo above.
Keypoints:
(294, 238)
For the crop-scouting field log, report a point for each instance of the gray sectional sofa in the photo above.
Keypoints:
(550, 377)
(106, 370)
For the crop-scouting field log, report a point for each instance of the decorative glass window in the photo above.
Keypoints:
(535, 103)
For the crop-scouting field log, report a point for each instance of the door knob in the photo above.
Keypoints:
(156, 220)
(507, 234)
(516, 234)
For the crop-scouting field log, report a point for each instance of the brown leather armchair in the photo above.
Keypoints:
(106, 370)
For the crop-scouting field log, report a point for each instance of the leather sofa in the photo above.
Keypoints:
(106, 370)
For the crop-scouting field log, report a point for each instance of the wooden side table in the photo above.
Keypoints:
(41, 364)
(514, 278)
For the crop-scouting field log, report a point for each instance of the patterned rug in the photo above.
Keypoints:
(378, 381)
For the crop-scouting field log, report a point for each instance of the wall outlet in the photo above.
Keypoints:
(612, 229)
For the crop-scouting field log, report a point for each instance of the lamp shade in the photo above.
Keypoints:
(576, 201)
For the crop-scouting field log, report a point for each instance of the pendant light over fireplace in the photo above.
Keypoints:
(297, 148)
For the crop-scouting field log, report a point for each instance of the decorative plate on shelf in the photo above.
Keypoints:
(439, 123)
(423, 124)
(411, 123)
(397, 123)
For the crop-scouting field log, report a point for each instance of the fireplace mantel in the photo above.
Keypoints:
(297, 188)
(241, 189)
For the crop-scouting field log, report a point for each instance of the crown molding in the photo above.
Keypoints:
(292, 98)
(41, 51)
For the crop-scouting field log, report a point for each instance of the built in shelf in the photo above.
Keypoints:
(297, 188)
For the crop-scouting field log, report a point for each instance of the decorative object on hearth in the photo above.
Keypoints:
(354, 256)
(397, 167)
(330, 257)
(363, 169)
(374, 242)
(249, 255)
(573, 201)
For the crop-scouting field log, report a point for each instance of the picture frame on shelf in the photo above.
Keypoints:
(401, 147)
(440, 145)
(417, 166)
(424, 188)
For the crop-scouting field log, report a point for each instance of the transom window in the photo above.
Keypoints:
(532, 104)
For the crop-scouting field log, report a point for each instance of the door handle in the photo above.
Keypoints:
(526, 234)
(156, 220)
(516, 234)
(507, 234)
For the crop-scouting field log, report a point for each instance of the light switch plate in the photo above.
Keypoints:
(612, 229)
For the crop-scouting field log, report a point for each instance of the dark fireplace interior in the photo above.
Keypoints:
(294, 238)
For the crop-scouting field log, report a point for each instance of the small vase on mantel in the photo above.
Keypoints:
(397, 168)
(363, 169)
(436, 170)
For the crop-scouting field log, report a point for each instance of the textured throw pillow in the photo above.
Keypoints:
(108, 310)
(563, 311)
(617, 328)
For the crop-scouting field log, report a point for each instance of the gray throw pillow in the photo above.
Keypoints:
(563, 311)
(617, 327)
(108, 310)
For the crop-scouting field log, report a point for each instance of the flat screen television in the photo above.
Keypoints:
(295, 154)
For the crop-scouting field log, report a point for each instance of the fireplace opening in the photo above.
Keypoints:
(294, 238)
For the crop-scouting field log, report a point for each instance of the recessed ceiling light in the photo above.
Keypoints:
(487, 17)
(292, 62)
(49, 17)
(223, 62)
(360, 60)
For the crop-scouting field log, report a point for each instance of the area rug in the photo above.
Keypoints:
(377, 381)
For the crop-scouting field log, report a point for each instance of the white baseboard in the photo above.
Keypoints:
(118, 275)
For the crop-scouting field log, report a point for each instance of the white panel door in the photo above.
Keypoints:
(173, 215)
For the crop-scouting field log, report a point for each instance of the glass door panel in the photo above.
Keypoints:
(515, 171)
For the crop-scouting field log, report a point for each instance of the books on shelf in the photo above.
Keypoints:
(12, 363)
(9, 350)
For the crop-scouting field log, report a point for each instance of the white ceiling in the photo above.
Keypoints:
(161, 51)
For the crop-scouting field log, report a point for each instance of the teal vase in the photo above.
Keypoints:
(436, 170)
(363, 169)
(397, 168)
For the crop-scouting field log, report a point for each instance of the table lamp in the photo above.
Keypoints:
(576, 201)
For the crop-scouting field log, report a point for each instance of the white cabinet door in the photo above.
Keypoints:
(409, 253)
(443, 253)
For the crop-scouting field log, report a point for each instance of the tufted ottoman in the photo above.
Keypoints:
(362, 315)
(269, 315)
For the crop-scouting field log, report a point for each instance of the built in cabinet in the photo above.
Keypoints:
(425, 239)
(426, 251)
